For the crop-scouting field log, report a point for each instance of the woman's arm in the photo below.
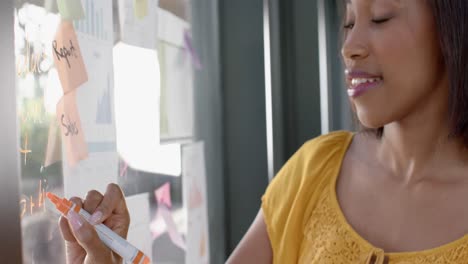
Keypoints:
(255, 247)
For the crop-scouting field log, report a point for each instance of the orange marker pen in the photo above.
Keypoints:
(116, 243)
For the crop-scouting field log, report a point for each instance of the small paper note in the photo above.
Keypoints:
(175, 236)
(123, 169)
(196, 198)
(72, 132)
(139, 30)
(188, 42)
(70, 9)
(53, 151)
(139, 234)
(67, 58)
(194, 190)
(141, 8)
(164, 217)
(163, 195)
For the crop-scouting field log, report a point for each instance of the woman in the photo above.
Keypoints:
(396, 192)
(393, 193)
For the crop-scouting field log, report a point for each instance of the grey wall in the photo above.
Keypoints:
(295, 25)
(339, 106)
(243, 86)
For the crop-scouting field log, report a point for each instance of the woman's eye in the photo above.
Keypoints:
(348, 25)
(380, 21)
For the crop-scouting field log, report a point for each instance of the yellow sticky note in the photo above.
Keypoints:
(71, 9)
(67, 58)
(141, 8)
(70, 125)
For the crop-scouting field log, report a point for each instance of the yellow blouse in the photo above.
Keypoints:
(305, 222)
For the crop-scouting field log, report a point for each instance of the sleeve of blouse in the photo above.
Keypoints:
(279, 197)
(292, 189)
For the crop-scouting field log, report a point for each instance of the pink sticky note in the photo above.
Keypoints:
(123, 169)
(174, 235)
(72, 132)
(163, 195)
(67, 58)
(157, 226)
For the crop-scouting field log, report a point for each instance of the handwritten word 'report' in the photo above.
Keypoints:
(65, 52)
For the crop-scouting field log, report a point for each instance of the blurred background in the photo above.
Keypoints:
(190, 106)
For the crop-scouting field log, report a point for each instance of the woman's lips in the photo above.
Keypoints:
(360, 81)
(360, 89)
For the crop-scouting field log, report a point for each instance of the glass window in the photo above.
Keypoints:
(124, 116)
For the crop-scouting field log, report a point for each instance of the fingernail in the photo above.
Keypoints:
(95, 218)
(75, 220)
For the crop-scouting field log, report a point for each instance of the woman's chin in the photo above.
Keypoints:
(371, 121)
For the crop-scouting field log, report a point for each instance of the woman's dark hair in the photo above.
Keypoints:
(451, 19)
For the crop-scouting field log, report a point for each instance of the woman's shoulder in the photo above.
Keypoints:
(329, 140)
(322, 147)
(315, 161)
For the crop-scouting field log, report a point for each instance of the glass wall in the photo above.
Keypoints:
(105, 95)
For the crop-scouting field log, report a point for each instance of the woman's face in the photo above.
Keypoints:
(393, 59)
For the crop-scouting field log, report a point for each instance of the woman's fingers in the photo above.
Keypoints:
(86, 235)
(113, 202)
(82, 240)
(65, 230)
(92, 200)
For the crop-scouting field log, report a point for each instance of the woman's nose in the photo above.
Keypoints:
(356, 45)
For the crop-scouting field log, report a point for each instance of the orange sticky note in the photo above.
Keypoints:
(70, 126)
(67, 58)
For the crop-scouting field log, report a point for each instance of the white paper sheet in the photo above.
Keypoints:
(96, 97)
(95, 103)
(94, 173)
(137, 110)
(177, 107)
(195, 198)
(98, 22)
(138, 32)
(139, 233)
(171, 28)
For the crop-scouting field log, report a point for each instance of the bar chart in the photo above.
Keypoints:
(104, 106)
(97, 18)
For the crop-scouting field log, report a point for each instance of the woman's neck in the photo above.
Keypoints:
(416, 151)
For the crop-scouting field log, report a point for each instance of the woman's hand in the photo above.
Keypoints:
(82, 243)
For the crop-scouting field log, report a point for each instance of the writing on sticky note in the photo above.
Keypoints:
(140, 8)
(67, 58)
(70, 9)
(70, 125)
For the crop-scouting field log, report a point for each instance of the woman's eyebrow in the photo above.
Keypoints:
(395, 2)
